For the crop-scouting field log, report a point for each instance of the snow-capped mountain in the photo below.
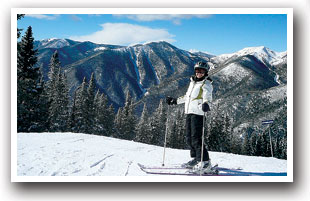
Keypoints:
(264, 54)
(206, 55)
(53, 43)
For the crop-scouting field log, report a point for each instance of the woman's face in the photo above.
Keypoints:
(200, 72)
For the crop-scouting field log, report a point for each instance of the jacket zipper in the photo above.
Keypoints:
(189, 98)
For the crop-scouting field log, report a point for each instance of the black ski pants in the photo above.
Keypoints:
(194, 124)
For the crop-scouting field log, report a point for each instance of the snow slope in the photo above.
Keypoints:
(71, 154)
(262, 53)
(53, 43)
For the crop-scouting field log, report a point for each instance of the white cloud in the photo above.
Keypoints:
(45, 17)
(126, 34)
(175, 18)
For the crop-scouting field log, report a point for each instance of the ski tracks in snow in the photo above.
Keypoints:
(70, 154)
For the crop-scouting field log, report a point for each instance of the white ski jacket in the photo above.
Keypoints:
(197, 93)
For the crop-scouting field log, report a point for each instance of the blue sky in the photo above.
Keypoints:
(215, 34)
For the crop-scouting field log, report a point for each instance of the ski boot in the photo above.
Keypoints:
(205, 167)
(190, 164)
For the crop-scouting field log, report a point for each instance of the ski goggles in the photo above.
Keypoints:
(200, 70)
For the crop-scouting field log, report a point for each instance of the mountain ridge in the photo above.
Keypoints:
(154, 70)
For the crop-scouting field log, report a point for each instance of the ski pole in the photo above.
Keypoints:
(166, 132)
(202, 141)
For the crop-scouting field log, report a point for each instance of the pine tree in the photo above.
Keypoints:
(90, 105)
(253, 144)
(247, 148)
(236, 141)
(143, 128)
(158, 125)
(104, 116)
(227, 134)
(222, 138)
(59, 112)
(54, 69)
(110, 126)
(214, 138)
(42, 108)
(26, 58)
(98, 128)
(50, 90)
(219, 137)
(64, 101)
(175, 137)
(29, 86)
(73, 113)
(266, 143)
(126, 122)
(80, 111)
(182, 130)
(279, 132)
(118, 123)
(57, 95)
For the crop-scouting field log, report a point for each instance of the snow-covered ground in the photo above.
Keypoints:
(71, 154)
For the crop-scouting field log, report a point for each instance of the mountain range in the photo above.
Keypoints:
(155, 70)
(118, 69)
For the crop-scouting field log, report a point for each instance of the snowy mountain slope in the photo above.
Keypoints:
(70, 154)
(276, 93)
(242, 74)
(53, 43)
(262, 53)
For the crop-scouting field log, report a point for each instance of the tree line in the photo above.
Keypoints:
(253, 139)
(219, 133)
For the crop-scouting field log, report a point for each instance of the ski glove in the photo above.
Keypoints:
(205, 107)
(171, 101)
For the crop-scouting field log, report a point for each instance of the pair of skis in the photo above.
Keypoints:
(183, 171)
(180, 170)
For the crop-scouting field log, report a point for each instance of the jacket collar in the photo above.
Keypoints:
(195, 79)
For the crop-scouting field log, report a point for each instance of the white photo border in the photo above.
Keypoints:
(287, 11)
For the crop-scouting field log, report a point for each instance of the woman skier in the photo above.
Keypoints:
(196, 99)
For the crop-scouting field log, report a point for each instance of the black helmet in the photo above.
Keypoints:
(202, 65)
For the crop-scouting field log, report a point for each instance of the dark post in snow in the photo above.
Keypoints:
(266, 123)
(166, 133)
